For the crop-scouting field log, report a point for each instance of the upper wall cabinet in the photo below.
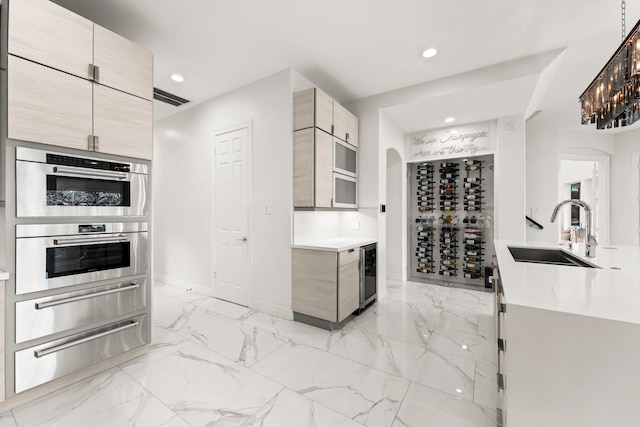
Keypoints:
(43, 32)
(75, 84)
(122, 64)
(51, 107)
(352, 129)
(312, 108)
(48, 106)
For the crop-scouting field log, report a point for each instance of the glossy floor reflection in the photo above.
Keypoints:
(423, 356)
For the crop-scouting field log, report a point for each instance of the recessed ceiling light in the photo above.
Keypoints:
(430, 53)
(450, 120)
(177, 78)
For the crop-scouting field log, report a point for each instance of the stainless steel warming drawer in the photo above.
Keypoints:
(39, 317)
(52, 360)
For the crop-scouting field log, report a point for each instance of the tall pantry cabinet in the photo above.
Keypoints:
(75, 84)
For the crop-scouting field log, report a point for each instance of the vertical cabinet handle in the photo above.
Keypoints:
(90, 143)
(96, 143)
(96, 74)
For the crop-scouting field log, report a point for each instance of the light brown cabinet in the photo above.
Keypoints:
(312, 169)
(312, 108)
(352, 134)
(75, 84)
(47, 106)
(325, 284)
(345, 124)
(43, 32)
(122, 123)
(122, 64)
(50, 107)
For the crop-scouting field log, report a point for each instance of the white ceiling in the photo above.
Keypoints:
(359, 48)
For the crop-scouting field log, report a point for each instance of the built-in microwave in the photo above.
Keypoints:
(345, 158)
(50, 256)
(55, 184)
(345, 191)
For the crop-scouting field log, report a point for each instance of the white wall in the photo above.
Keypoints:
(623, 200)
(544, 145)
(182, 191)
(393, 193)
(396, 219)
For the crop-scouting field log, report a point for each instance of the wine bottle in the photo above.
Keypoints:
(472, 276)
(474, 253)
(473, 197)
(471, 185)
(472, 208)
(447, 181)
(447, 164)
(473, 190)
(473, 179)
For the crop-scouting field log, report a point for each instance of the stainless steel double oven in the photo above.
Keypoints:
(82, 287)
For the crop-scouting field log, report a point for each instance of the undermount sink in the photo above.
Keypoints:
(552, 256)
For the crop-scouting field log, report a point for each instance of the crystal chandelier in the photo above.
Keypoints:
(613, 97)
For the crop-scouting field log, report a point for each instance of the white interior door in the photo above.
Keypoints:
(231, 244)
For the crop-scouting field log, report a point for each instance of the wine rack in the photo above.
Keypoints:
(448, 251)
(424, 249)
(453, 207)
(426, 184)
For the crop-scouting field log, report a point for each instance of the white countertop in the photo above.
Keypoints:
(604, 292)
(4, 275)
(336, 244)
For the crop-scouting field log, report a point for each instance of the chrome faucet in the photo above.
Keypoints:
(590, 241)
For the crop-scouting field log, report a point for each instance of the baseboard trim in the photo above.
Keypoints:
(183, 284)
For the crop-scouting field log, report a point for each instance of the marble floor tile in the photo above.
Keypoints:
(401, 362)
(468, 345)
(398, 320)
(291, 409)
(176, 422)
(108, 399)
(366, 395)
(225, 308)
(6, 420)
(300, 332)
(424, 406)
(237, 341)
(485, 385)
(448, 373)
(163, 342)
(204, 388)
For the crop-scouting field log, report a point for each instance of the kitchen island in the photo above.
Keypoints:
(569, 339)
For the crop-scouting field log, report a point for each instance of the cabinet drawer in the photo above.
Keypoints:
(56, 359)
(48, 315)
(348, 256)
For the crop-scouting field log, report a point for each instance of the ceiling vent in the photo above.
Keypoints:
(169, 98)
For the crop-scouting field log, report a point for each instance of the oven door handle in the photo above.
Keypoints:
(90, 173)
(73, 240)
(42, 305)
